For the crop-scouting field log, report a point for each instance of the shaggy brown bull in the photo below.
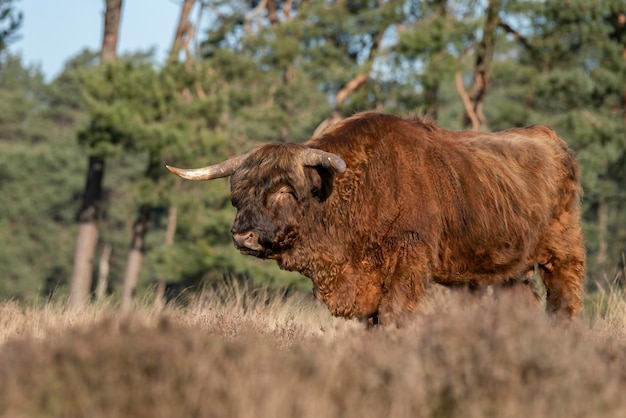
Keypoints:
(378, 207)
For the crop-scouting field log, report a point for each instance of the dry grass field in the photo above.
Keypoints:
(242, 352)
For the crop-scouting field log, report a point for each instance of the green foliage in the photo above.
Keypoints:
(38, 197)
(10, 22)
(23, 91)
(171, 114)
(128, 102)
(38, 193)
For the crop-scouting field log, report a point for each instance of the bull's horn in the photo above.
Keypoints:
(210, 172)
(313, 156)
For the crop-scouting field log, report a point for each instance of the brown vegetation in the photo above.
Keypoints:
(250, 352)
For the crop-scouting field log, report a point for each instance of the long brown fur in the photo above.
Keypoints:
(417, 204)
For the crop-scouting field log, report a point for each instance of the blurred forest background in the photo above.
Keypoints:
(87, 208)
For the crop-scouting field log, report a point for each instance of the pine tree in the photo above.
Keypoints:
(10, 23)
(38, 154)
(87, 238)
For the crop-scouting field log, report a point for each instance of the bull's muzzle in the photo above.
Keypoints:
(247, 241)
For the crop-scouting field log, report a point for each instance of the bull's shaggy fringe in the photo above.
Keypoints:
(248, 352)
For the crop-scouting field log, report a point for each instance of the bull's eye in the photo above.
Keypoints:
(286, 191)
(289, 193)
(281, 196)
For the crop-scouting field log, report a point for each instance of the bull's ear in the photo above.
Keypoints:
(322, 181)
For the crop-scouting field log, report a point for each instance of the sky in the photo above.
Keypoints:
(55, 30)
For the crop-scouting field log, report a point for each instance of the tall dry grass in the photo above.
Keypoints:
(238, 351)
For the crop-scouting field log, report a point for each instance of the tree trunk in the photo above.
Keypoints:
(484, 55)
(182, 38)
(349, 88)
(140, 228)
(431, 93)
(335, 116)
(88, 216)
(183, 31)
(112, 17)
(469, 117)
(103, 272)
(159, 299)
(87, 234)
(83, 264)
(135, 257)
(172, 219)
(170, 232)
(272, 12)
(360, 80)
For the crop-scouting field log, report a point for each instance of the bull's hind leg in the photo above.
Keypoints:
(563, 266)
(519, 290)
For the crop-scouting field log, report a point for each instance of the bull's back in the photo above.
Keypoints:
(509, 186)
(479, 201)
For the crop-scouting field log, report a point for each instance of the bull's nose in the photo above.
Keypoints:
(248, 239)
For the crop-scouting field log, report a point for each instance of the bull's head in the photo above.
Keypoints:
(272, 187)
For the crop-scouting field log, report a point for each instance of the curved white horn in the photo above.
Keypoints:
(210, 172)
(313, 156)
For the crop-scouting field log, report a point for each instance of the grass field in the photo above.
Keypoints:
(243, 352)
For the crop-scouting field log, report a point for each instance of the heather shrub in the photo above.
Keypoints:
(246, 352)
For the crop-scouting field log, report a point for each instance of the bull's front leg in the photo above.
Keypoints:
(404, 287)
(353, 291)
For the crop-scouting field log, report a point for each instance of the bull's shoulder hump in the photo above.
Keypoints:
(532, 133)
(540, 135)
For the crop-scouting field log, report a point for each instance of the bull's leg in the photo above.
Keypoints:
(372, 321)
(396, 305)
(403, 289)
(563, 278)
(563, 267)
(519, 290)
(352, 291)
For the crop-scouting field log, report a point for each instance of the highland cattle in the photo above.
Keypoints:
(377, 208)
